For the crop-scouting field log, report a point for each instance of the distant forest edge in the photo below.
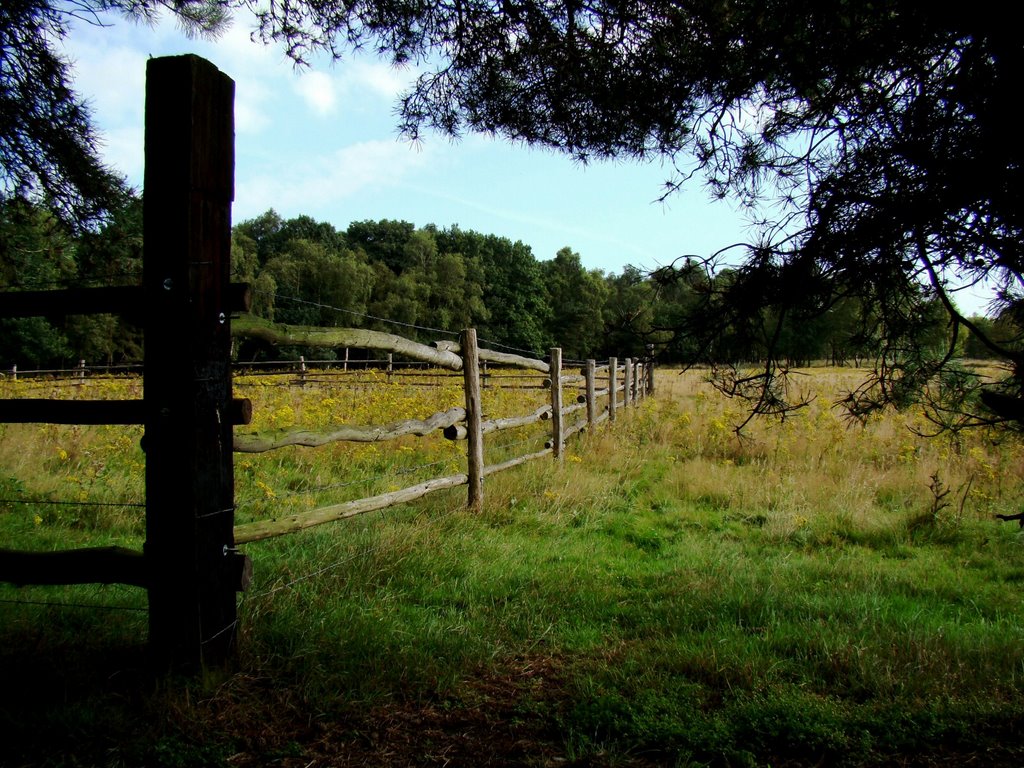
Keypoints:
(393, 276)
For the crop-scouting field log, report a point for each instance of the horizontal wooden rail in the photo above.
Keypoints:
(500, 358)
(128, 300)
(501, 467)
(251, 327)
(269, 528)
(459, 432)
(572, 429)
(571, 409)
(46, 411)
(43, 411)
(348, 433)
(98, 565)
(266, 529)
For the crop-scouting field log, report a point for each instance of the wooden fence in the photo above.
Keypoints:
(190, 564)
(621, 386)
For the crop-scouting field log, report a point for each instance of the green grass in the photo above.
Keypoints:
(635, 606)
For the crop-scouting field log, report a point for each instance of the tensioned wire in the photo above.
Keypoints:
(398, 323)
(361, 481)
(320, 305)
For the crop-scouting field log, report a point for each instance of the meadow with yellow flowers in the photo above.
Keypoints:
(813, 592)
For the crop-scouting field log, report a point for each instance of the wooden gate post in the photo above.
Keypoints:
(189, 180)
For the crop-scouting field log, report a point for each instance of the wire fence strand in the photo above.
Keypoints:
(352, 312)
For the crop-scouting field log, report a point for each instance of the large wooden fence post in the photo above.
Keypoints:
(474, 430)
(556, 402)
(189, 477)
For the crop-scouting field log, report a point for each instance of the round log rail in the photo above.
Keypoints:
(250, 327)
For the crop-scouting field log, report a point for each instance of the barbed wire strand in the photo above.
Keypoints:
(58, 502)
(526, 352)
(361, 481)
(214, 636)
(90, 606)
(332, 308)
(313, 574)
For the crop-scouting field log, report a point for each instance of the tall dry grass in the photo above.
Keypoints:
(820, 470)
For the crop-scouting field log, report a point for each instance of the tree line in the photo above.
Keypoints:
(393, 276)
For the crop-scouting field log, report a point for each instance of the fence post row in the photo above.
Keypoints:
(613, 386)
(590, 373)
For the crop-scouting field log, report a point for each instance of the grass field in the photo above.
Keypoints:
(813, 594)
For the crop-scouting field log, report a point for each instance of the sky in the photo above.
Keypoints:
(324, 142)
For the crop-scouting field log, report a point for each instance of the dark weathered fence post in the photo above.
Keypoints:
(590, 372)
(189, 477)
(613, 383)
(627, 397)
(556, 402)
(474, 430)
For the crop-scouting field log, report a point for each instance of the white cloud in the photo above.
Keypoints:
(321, 182)
(318, 91)
(251, 110)
(111, 79)
(378, 77)
(124, 150)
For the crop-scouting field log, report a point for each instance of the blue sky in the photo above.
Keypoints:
(323, 142)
